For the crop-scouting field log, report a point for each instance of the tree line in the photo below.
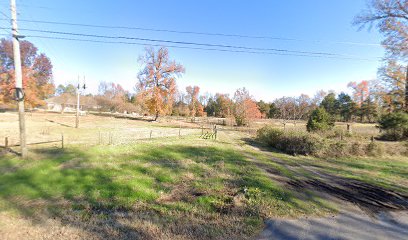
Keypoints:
(156, 91)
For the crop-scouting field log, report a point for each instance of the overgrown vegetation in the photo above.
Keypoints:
(292, 142)
(323, 144)
(394, 125)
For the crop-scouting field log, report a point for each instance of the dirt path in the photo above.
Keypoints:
(366, 211)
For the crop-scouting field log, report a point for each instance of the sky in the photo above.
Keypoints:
(312, 26)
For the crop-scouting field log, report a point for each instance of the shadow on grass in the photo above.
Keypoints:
(118, 198)
(47, 189)
(61, 124)
(370, 196)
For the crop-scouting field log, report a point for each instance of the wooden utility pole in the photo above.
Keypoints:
(79, 87)
(406, 91)
(77, 108)
(18, 78)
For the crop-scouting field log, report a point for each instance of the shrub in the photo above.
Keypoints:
(319, 120)
(374, 149)
(336, 149)
(395, 126)
(291, 142)
(336, 133)
(269, 135)
(356, 149)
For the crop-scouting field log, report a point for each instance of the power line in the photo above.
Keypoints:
(51, 49)
(33, 6)
(187, 43)
(3, 28)
(196, 33)
(7, 17)
(196, 48)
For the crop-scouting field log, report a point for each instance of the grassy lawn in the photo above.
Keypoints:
(178, 188)
(186, 187)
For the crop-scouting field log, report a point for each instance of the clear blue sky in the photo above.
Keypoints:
(318, 23)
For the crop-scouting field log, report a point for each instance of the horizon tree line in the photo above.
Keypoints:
(157, 93)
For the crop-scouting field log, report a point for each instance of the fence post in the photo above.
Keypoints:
(62, 141)
(6, 142)
(100, 137)
(151, 131)
(202, 129)
(180, 130)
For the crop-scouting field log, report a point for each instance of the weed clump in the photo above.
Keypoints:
(357, 149)
(374, 149)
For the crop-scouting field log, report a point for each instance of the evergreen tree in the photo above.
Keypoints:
(346, 106)
(330, 104)
(319, 120)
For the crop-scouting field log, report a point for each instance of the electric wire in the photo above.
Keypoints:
(194, 48)
(196, 32)
(186, 43)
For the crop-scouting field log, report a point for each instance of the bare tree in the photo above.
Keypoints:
(391, 19)
(285, 106)
(301, 106)
(318, 97)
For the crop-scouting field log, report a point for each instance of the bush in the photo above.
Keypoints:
(374, 149)
(269, 135)
(319, 120)
(336, 149)
(395, 126)
(291, 142)
(356, 149)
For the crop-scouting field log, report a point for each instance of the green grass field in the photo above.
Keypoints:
(178, 188)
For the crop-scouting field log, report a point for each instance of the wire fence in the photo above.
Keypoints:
(103, 137)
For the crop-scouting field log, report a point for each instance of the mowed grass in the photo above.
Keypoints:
(174, 188)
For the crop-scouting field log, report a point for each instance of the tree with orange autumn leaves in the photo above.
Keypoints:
(196, 109)
(367, 95)
(37, 74)
(157, 81)
(245, 108)
(394, 77)
(360, 91)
